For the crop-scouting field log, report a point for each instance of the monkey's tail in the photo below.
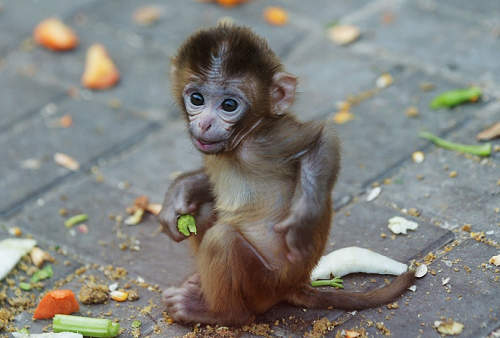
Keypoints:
(350, 301)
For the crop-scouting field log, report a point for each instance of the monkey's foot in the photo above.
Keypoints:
(185, 304)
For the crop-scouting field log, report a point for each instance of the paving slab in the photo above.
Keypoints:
(70, 273)
(17, 107)
(28, 168)
(144, 72)
(462, 287)
(457, 41)
(164, 156)
(18, 20)
(382, 136)
(471, 197)
(169, 32)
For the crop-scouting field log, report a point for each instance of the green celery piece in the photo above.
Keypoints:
(136, 323)
(335, 282)
(42, 274)
(455, 97)
(186, 225)
(25, 286)
(480, 150)
(75, 220)
(90, 327)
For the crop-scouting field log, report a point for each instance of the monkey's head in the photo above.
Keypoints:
(228, 81)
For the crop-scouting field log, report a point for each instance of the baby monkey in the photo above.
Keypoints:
(262, 200)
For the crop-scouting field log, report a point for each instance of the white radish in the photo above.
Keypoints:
(11, 251)
(48, 335)
(354, 259)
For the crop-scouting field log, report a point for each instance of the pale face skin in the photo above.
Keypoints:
(213, 111)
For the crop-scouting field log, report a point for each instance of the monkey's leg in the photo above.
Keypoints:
(233, 285)
(313, 298)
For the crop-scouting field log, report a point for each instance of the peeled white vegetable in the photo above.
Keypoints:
(400, 225)
(48, 335)
(11, 251)
(355, 259)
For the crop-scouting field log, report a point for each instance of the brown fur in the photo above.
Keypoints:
(263, 202)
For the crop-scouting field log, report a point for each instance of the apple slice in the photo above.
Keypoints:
(100, 71)
(52, 33)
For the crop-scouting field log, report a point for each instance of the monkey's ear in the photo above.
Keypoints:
(283, 92)
(173, 67)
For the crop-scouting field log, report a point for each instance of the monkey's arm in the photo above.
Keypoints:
(319, 167)
(190, 193)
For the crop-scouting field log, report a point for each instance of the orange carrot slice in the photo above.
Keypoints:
(275, 16)
(54, 34)
(56, 302)
(100, 71)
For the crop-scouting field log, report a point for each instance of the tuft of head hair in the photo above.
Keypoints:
(229, 51)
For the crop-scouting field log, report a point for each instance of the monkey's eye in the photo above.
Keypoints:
(197, 99)
(229, 105)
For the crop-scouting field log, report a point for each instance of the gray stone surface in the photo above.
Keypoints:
(131, 141)
(28, 166)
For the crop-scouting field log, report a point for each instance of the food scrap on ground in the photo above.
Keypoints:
(136, 210)
(450, 327)
(490, 133)
(479, 150)
(54, 34)
(48, 335)
(147, 15)
(226, 3)
(66, 161)
(495, 260)
(456, 97)
(38, 256)
(100, 71)
(276, 16)
(92, 293)
(75, 220)
(373, 194)
(91, 327)
(355, 259)
(343, 34)
(11, 251)
(56, 302)
(418, 156)
(400, 225)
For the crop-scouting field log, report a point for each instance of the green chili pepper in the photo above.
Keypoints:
(480, 150)
(455, 97)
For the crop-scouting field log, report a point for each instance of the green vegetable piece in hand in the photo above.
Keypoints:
(335, 282)
(90, 327)
(455, 97)
(186, 225)
(480, 150)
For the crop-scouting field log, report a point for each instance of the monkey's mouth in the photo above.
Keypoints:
(209, 147)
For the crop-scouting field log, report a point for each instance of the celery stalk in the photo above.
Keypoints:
(91, 327)
(480, 150)
(335, 282)
(75, 220)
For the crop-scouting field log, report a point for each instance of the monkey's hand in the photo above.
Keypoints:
(298, 235)
(190, 194)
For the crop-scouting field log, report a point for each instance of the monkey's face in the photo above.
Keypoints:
(213, 110)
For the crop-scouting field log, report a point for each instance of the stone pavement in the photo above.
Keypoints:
(130, 141)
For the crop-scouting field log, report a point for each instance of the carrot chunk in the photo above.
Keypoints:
(100, 71)
(54, 34)
(56, 302)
